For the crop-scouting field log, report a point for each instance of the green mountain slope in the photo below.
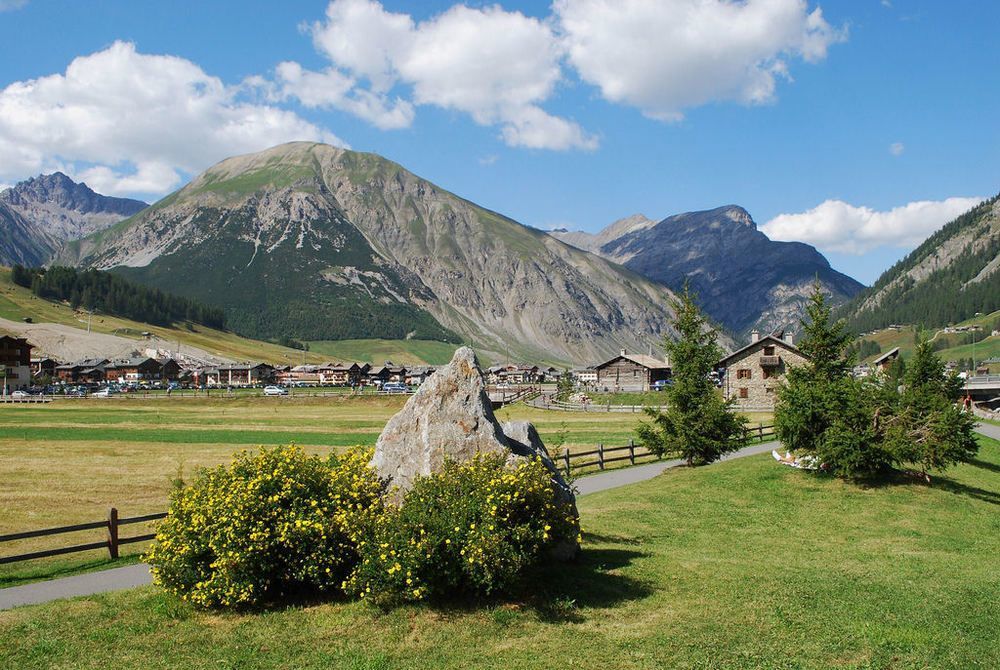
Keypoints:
(951, 276)
(319, 243)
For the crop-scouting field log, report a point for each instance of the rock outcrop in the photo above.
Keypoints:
(451, 418)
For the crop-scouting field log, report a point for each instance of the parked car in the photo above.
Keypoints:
(395, 387)
(105, 392)
(275, 390)
(20, 394)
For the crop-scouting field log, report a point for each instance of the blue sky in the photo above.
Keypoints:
(858, 126)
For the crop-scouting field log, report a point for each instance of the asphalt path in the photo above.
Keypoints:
(130, 576)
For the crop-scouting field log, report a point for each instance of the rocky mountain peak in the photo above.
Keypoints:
(58, 190)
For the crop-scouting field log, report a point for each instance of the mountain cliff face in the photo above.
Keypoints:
(317, 242)
(21, 240)
(44, 211)
(951, 276)
(743, 279)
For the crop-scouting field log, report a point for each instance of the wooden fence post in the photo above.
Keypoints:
(600, 456)
(566, 459)
(631, 452)
(760, 431)
(113, 532)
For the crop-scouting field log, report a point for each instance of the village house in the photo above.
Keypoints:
(584, 376)
(15, 363)
(170, 370)
(340, 374)
(386, 373)
(752, 375)
(631, 372)
(89, 370)
(884, 361)
(417, 376)
(304, 374)
(133, 370)
(43, 368)
(244, 374)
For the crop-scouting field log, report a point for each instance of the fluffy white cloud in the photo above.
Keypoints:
(664, 56)
(897, 148)
(497, 66)
(133, 123)
(839, 227)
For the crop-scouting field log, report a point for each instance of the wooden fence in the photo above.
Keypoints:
(604, 456)
(112, 542)
(601, 458)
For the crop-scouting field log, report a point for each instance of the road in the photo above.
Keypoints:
(130, 576)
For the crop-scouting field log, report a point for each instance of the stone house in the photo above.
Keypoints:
(752, 375)
(631, 372)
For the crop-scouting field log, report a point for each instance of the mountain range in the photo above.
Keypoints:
(38, 215)
(319, 243)
(953, 275)
(743, 280)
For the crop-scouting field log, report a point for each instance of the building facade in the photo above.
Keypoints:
(751, 375)
(631, 372)
(15, 363)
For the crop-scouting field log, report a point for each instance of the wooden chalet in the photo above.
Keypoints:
(631, 372)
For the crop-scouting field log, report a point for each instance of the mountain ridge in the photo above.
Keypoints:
(368, 232)
(743, 279)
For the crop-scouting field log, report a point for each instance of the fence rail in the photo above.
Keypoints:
(601, 458)
(569, 462)
(111, 543)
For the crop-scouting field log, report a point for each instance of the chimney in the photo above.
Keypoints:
(622, 352)
(754, 335)
(789, 338)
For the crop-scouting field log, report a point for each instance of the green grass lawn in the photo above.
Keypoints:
(744, 564)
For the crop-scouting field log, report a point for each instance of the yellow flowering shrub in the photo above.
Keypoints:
(470, 530)
(274, 522)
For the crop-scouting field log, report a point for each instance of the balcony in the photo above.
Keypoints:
(770, 361)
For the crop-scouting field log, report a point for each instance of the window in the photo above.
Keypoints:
(769, 350)
(744, 393)
(768, 374)
(743, 374)
(768, 390)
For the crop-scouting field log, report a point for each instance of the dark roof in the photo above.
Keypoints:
(776, 340)
(892, 353)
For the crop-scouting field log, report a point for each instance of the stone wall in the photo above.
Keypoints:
(759, 381)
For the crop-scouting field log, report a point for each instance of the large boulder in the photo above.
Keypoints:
(451, 418)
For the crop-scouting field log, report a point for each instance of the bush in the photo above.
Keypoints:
(274, 522)
(470, 530)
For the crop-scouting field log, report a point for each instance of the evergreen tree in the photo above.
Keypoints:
(698, 425)
(822, 411)
(564, 385)
(928, 430)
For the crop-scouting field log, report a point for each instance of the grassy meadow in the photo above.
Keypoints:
(744, 564)
(68, 461)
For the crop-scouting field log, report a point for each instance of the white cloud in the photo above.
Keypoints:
(497, 66)
(897, 148)
(838, 226)
(129, 122)
(7, 5)
(666, 56)
(489, 160)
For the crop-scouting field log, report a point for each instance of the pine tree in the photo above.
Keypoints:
(698, 425)
(929, 430)
(564, 385)
(824, 412)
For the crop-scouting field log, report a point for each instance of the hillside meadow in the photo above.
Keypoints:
(743, 564)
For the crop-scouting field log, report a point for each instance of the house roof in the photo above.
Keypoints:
(644, 360)
(892, 353)
(133, 362)
(767, 338)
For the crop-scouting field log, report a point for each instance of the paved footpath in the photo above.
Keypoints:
(130, 576)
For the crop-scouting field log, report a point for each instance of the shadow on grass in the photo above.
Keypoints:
(562, 592)
(909, 478)
(991, 497)
(985, 465)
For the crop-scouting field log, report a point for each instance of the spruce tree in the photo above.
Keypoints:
(928, 430)
(698, 425)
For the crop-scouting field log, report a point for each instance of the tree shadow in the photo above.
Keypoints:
(985, 465)
(991, 497)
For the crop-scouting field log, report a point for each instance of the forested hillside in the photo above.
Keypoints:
(111, 294)
(951, 276)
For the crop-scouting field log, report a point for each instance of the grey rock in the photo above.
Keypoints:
(451, 418)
